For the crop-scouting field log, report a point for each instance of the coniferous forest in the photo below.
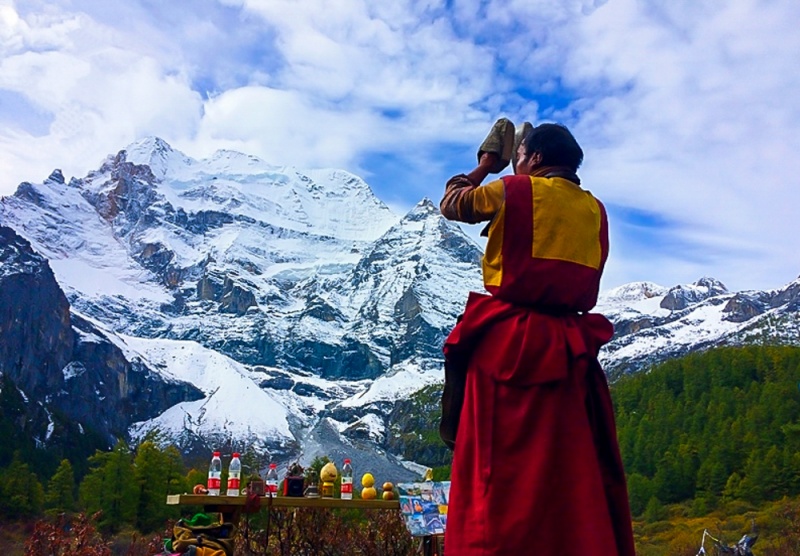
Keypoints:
(708, 440)
(714, 426)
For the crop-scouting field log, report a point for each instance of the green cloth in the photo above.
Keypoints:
(202, 520)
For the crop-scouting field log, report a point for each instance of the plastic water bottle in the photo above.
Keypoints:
(214, 475)
(234, 475)
(272, 481)
(347, 480)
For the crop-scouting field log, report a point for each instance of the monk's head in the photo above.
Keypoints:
(548, 145)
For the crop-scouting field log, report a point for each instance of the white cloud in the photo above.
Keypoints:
(100, 96)
(699, 123)
(686, 109)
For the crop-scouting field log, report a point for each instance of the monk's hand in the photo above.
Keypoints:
(484, 168)
(488, 160)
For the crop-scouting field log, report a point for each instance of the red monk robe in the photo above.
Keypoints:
(536, 467)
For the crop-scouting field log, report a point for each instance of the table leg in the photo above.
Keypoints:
(429, 546)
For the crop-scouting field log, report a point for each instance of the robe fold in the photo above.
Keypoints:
(536, 469)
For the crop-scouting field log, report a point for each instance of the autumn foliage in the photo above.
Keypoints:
(318, 532)
(78, 536)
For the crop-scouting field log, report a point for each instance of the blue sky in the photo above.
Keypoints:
(687, 110)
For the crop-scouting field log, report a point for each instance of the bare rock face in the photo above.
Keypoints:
(122, 392)
(788, 297)
(130, 191)
(681, 297)
(233, 295)
(36, 337)
(743, 307)
(64, 362)
(632, 326)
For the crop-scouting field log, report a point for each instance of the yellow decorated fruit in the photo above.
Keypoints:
(368, 481)
(388, 495)
(369, 493)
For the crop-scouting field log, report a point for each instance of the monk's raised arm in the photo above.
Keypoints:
(465, 200)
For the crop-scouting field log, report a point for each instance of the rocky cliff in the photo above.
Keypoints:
(63, 361)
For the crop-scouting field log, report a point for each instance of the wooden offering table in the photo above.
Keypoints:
(232, 507)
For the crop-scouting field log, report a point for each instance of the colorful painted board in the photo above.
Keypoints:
(424, 507)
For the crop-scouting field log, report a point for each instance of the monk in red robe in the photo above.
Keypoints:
(526, 407)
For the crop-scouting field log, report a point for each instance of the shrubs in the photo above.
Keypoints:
(78, 536)
(316, 532)
(62, 537)
(777, 525)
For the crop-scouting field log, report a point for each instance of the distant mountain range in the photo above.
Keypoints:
(229, 302)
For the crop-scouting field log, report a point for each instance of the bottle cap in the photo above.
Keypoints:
(273, 465)
(236, 454)
(347, 460)
(216, 454)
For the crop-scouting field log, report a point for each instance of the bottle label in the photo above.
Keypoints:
(272, 488)
(233, 484)
(214, 483)
(347, 487)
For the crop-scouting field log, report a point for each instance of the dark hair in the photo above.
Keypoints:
(556, 145)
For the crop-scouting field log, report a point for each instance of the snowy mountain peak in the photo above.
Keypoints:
(711, 285)
(56, 177)
(634, 291)
(158, 155)
(150, 145)
(335, 183)
(235, 162)
(681, 297)
(422, 210)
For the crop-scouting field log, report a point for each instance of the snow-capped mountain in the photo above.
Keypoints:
(653, 323)
(296, 306)
(292, 299)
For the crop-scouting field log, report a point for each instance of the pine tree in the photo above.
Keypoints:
(61, 489)
(791, 466)
(732, 487)
(640, 490)
(21, 493)
(110, 487)
(654, 510)
(158, 473)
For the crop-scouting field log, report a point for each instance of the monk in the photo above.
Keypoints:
(526, 406)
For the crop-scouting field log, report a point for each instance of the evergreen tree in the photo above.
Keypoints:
(110, 487)
(157, 473)
(640, 490)
(732, 487)
(196, 477)
(774, 482)
(61, 489)
(21, 493)
(791, 467)
(654, 510)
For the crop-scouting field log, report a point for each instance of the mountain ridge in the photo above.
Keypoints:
(309, 287)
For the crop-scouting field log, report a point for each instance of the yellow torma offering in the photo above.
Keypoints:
(388, 491)
(328, 475)
(368, 482)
